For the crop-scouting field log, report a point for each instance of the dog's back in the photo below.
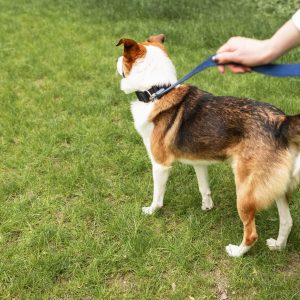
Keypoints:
(291, 128)
(203, 126)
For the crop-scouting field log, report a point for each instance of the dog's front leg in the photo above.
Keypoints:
(160, 178)
(202, 177)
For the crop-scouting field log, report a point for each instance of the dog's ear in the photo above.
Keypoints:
(127, 43)
(131, 47)
(157, 38)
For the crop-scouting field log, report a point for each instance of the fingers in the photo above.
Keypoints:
(227, 47)
(221, 69)
(240, 53)
(229, 54)
(226, 57)
(237, 69)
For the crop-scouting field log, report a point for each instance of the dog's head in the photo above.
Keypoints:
(144, 65)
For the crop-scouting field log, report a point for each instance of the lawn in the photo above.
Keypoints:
(74, 174)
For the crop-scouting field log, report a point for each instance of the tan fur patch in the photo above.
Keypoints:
(132, 52)
(161, 116)
(157, 41)
(170, 100)
(156, 44)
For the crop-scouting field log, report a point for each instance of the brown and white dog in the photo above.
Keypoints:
(198, 128)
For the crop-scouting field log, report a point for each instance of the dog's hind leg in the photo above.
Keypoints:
(202, 177)
(246, 209)
(285, 225)
(160, 178)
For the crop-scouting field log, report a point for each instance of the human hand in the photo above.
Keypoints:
(244, 52)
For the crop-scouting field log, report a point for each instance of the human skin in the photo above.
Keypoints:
(247, 52)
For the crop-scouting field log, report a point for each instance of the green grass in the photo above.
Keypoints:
(74, 174)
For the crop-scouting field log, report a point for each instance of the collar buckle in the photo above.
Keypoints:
(150, 95)
(156, 94)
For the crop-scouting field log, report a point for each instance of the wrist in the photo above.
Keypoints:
(272, 52)
(286, 38)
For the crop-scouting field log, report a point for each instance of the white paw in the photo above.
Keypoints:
(233, 250)
(207, 204)
(149, 210)
(274, 245)
(236, 251)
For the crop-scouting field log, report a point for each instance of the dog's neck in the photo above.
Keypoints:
(147, 96)
(155, 69)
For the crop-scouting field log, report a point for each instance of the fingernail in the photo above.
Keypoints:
(215, 59)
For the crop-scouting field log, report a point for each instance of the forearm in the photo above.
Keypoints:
(286, 38)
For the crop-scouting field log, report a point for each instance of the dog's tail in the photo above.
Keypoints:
(291, 128)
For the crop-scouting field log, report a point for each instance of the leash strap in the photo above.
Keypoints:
(276, 70)
(206, 64)
(279, 70)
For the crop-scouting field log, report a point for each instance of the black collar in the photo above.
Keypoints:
(146, 95)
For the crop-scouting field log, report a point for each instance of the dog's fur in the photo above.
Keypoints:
(196, 127)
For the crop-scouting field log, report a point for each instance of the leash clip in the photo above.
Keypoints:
(156, 95)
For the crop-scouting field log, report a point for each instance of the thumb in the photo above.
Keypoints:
(226, 57)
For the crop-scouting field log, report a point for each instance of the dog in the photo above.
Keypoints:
(192, 126)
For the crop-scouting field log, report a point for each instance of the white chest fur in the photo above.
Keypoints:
(140, 112)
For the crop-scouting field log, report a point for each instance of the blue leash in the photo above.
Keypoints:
(276, 70)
